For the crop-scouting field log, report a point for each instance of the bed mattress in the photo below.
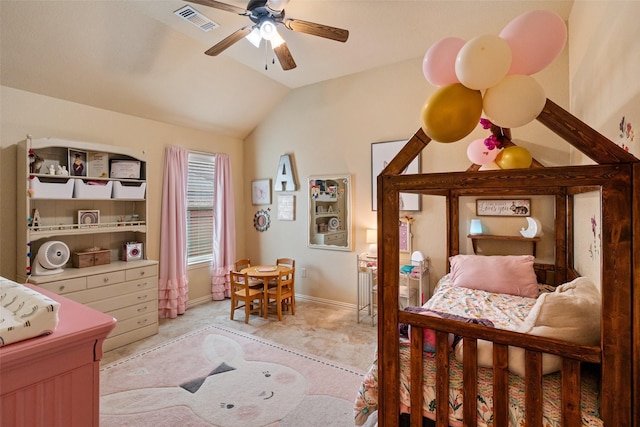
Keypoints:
(505, 312)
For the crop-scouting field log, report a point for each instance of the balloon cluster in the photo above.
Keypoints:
(490, 73)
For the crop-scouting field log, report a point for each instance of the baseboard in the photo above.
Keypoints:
(207, 298)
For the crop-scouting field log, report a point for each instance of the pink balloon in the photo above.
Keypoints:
(536, 39)
(438, 65)
(479, 154)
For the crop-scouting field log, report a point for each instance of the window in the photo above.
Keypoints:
(200, 190)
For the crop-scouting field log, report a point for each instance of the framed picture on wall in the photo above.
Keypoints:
(261, 192)
(405, 237)
(381, 154)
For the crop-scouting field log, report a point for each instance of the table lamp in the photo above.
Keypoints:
(372, 240)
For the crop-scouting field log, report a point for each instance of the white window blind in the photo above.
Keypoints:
(200, 190)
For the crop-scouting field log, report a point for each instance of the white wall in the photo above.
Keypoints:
(25, 113)
(603, 64)
(329, 127)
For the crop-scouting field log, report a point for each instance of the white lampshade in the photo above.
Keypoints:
(268, 29)
(475, 227)
(254, 37)
(372, 235)
(372, 240)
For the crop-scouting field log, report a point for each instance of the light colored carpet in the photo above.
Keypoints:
(222, 377)
(324, 330)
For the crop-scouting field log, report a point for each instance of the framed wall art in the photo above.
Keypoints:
(381, 154)
(405, 236)
(503, 207)
(261, 192)
(286, 207)
(88, 218)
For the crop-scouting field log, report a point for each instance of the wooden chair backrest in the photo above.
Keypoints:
(290, 262)
(242, 263)
(239, 281)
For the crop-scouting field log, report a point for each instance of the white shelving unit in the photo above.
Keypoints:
(412, 285)
(126, 290)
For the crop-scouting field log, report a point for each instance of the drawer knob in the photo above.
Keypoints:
(106, 280)
(61, 288)
(142, 297)
(142, 273)
(142, 322)
(141, 309)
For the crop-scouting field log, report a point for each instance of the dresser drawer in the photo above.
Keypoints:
(148, 307)
(134, 323)
(137, 273)
(66, 286)
(121, 299)
(110, 278)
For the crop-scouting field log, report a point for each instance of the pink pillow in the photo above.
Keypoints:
(507, 274)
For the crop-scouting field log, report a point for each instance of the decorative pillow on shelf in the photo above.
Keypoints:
(504, 274)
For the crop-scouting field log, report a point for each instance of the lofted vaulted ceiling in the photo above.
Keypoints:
(139, 58)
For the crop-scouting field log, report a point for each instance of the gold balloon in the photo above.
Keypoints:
(451, 113)
(514, 157)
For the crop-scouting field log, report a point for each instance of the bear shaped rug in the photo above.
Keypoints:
(221, 377)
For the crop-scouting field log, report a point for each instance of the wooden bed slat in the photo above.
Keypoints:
(417, 367)
(533, 388)
(470, 379)
(442, 379)
(500, 384)
(571, 393)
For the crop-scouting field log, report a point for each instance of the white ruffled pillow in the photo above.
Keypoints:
(571, 313)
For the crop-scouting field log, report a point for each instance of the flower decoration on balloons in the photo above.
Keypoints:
(492, 74)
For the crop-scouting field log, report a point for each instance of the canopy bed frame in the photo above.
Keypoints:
(616, 175)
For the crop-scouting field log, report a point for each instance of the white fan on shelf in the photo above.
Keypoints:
(52, 256)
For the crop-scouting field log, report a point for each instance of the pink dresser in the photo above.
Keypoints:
(54, 380)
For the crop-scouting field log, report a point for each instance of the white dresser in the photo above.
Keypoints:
(128, 291)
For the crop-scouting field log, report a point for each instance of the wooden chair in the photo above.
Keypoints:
(245, 263)
(287, 262)
(241, 292)
(282, 295)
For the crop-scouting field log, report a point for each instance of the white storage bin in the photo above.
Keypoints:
(50, 188)
(88, 189)
(129, 190)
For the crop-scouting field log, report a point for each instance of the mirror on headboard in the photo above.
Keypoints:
(330, 212)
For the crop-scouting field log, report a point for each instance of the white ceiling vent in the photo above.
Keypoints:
(188, 13)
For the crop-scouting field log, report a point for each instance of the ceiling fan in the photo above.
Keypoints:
(266, 15)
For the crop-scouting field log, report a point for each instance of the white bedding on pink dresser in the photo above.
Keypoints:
(24, 313)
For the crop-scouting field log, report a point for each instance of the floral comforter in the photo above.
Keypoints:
(506, 312)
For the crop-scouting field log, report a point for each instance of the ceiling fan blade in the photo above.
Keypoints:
(284, 56)
(228, 41)
(320, 30)
(222, 6)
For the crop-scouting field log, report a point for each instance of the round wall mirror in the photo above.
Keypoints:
(261, 220)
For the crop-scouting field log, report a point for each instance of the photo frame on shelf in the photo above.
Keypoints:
(88, 218)
(261, 191)
(286, 207)
(381, 154)
(77, 163)
(98, 165)
(503, 207)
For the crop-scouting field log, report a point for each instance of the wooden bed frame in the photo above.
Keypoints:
(617, 177)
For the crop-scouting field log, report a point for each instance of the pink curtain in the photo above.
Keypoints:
(173, 283)
(224, 229)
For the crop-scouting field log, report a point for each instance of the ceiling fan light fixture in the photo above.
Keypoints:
(268, 29)
(276, 40)
(254, 37)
